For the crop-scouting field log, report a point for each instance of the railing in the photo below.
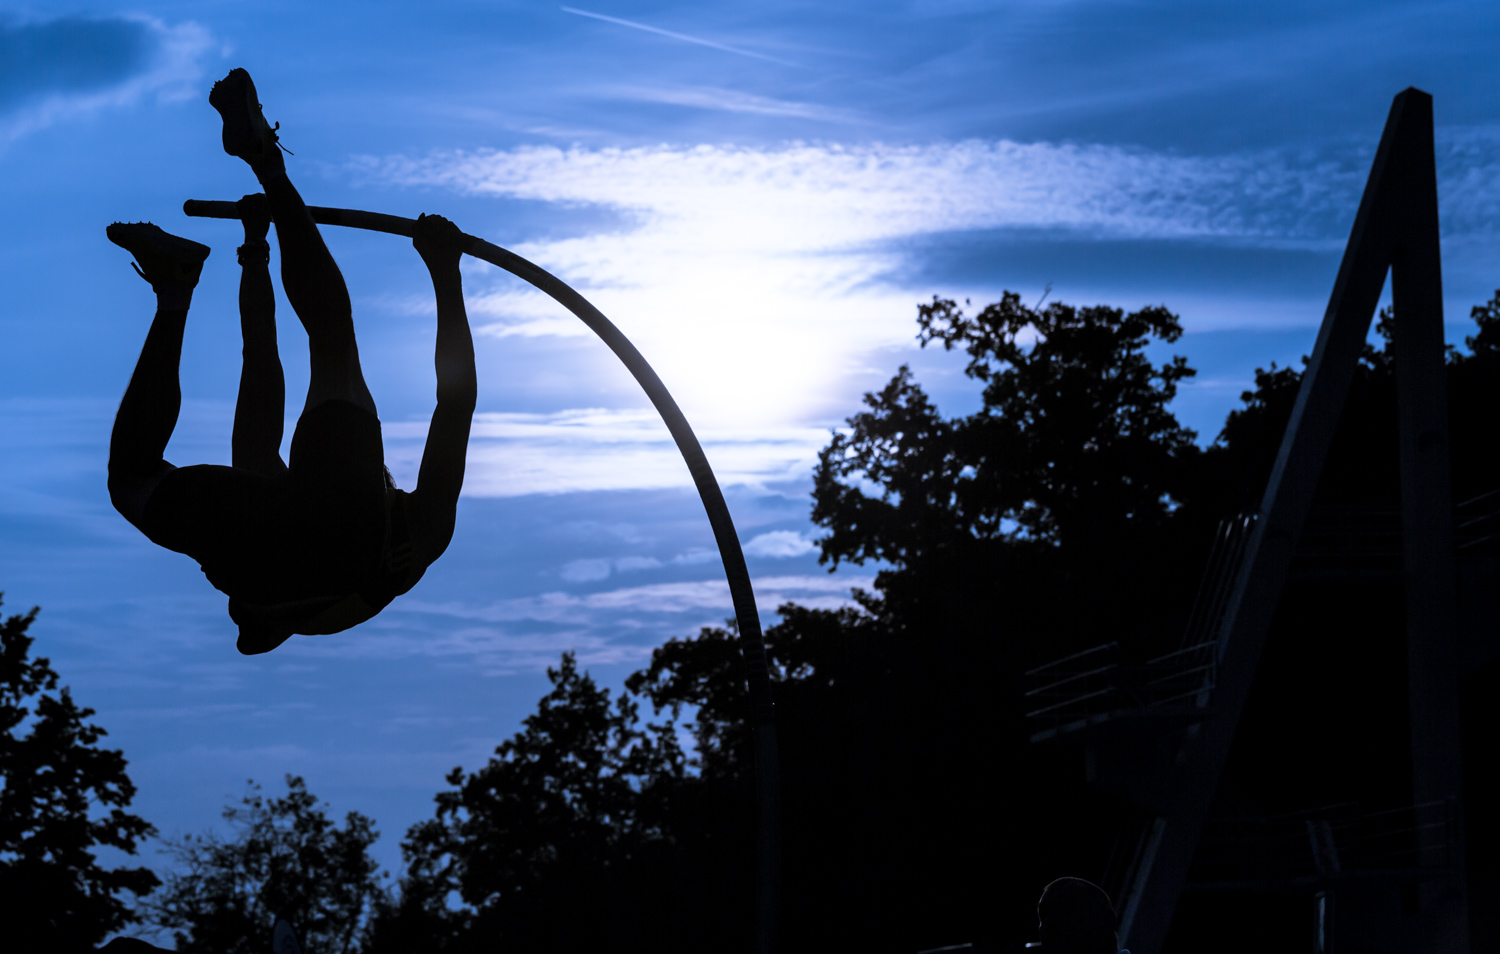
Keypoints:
(1476, 523)
(1074, 691)
(1345, 541)
(1361, 540)
(1324, 845)
(1224, 559)
(1094, 686)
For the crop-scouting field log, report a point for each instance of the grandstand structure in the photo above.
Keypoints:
(1383, 873)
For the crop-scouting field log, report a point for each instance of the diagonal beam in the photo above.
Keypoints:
(1396, 226)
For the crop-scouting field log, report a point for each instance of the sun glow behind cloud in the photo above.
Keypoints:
(758, 281)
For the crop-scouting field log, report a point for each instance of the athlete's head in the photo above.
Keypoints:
(1076, 918)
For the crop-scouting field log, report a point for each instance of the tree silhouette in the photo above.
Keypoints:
(288, 859)
(62, 797)
(590, 828)
(1074, 441)
(1071, 510)
(539, 843)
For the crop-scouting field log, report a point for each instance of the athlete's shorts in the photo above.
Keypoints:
(316, 532)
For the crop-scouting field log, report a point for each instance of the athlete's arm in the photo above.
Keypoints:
(433, 507)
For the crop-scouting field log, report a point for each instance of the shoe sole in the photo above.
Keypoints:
(151, 239)
(235, 98)
(156, 251)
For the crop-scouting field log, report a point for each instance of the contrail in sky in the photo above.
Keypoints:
(676, 36)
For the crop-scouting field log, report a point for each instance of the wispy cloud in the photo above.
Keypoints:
(823, 197)
(730, 101)
(775, 545)
(77, 67)
(779, 545)
(512, 454)
(618, 626)
(674, 598)
(758, 280)
(699, 41)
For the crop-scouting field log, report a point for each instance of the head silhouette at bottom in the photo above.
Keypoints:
(1075, 917)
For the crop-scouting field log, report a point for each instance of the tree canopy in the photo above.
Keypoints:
(900, 723)
(62, 797)
(287, 859)
(1074, 444)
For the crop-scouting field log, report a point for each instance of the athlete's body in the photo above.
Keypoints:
(325, 541)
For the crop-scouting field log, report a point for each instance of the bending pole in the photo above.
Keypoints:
(752, 645)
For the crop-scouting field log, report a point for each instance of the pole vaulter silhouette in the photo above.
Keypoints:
(365, 542)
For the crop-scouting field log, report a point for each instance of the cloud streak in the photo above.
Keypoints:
(526, 634)
(699, 41)
(673, 598)
(513, 454)
(806, 197)
(730, 101)
(758, 281)
(784, 258)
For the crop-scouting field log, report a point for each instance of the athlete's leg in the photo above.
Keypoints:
(261, 409)
(318, 295)
(309, 275)
(148, 412)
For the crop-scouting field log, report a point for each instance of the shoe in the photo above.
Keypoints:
(247, 135)
(161, 259)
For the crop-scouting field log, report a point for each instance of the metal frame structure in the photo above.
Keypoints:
(1396, 229)
(752, 645)
(1165, 751)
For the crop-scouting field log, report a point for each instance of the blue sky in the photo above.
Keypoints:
(758, 194)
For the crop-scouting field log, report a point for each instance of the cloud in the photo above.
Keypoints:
(779, 544)
(593, 569)
(62, 69)
(69, 55)
(812, 197)
(760, 282)
(681, 597)
(757, 280)
(527, 634)
(728, 100)
(698, 41)
(584, 571)
(631, 564)
(513, 454)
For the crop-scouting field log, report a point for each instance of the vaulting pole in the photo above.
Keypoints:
(762, 715)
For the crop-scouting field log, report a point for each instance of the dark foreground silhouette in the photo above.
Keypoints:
(1075, 916)
(323, 541)
(283, 941)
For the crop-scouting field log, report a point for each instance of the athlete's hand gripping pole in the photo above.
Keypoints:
(752, 645)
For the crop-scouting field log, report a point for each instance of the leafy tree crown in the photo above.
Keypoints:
(1074, 444)
(61, 797)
